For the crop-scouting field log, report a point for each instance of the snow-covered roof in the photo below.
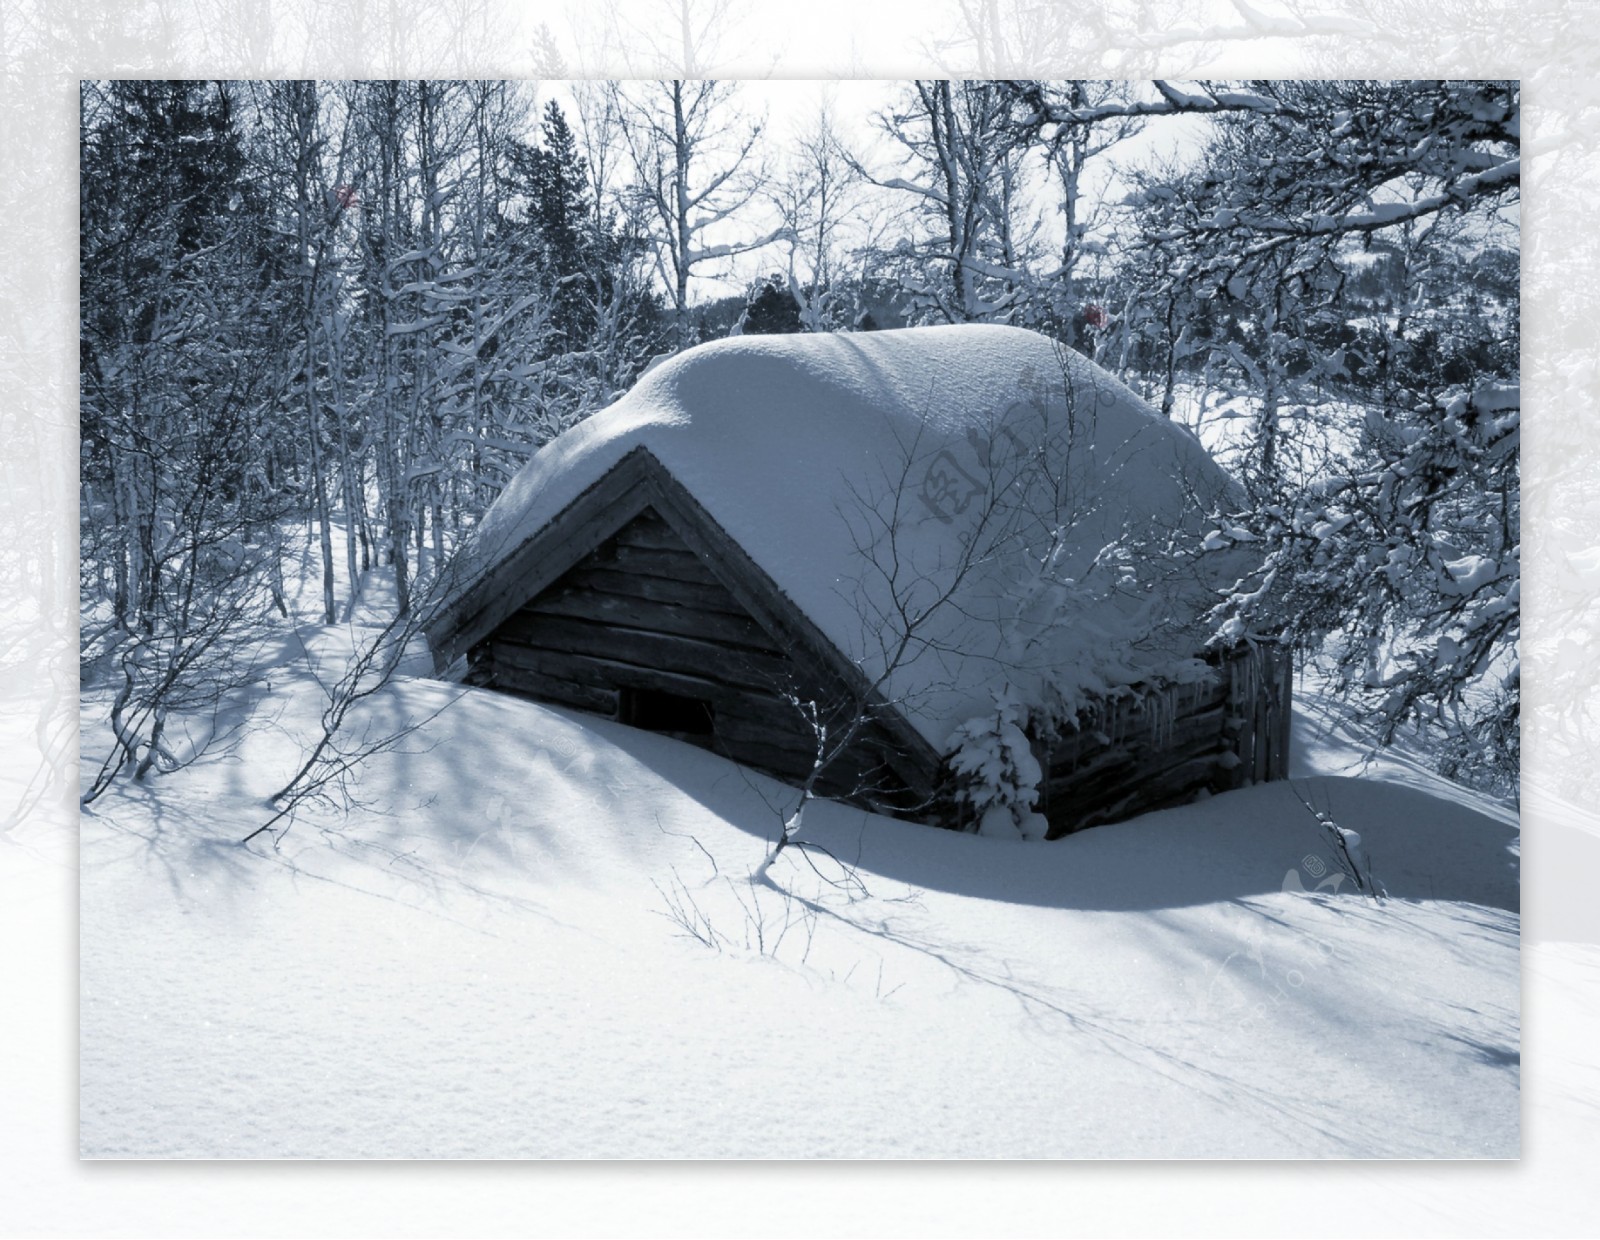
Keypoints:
(936, 500)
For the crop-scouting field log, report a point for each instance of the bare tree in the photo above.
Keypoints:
(1070, 150)
(207, 589)
(178, 386)
(960, 169)
(696, 172)
(1401, 556)
(818, 198)
(297, 125)
(1009, 559)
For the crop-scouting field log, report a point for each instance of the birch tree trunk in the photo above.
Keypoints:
(303, 118)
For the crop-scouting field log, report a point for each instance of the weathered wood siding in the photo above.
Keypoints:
(644, 612)
(651, 609)
(1148, 750)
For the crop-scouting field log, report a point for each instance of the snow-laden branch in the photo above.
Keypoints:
(1174, 101)
(1497, 179)
(731, 248)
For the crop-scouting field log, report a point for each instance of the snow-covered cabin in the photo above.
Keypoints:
(874, 539)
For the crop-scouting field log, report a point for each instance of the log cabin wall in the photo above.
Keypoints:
(1158, 748)
(642, 630)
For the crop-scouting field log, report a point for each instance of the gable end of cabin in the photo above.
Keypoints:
(644, 630)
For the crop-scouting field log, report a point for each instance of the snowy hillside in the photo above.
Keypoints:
(535, 935)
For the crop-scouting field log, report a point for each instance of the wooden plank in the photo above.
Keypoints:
(864, 761)
(1211, 693)
(650, 530)
(1131, 721)
(1180, 780)
(773, 734)
(1108, 762)
(1264, 724)
(1268, 746)
(545, 688)
(1267, 706)
(480, 666)
(1079, 750)
(579, 682)
(860, 765)
(853, 777)
(914, 759)
(779, 763)
(606, 673)
(674, 565)
(1095, 756)
(643, 648)
(1172, 786)
(759, 707)
(1285, 714)
(777, 732)
(1123, 768)
(607, 580)
(642, 613)
(1140, 793)
(1241, 706)
(1092, 780)
(1271, 708)
(780, 760)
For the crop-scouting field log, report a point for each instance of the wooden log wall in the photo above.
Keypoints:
(643, 612)
(1159, 747)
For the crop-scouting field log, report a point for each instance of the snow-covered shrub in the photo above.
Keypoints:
(1402, 564)
(998, 775)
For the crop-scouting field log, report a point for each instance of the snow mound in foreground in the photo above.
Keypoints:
(536, 936)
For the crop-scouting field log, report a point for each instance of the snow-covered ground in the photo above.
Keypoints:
(498, 953)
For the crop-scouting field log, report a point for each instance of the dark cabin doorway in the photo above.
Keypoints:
(653, 710)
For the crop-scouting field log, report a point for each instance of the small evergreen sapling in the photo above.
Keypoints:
(771, 311)
(999, 775)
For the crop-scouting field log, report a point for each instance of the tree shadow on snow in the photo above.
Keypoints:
(511, 782)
